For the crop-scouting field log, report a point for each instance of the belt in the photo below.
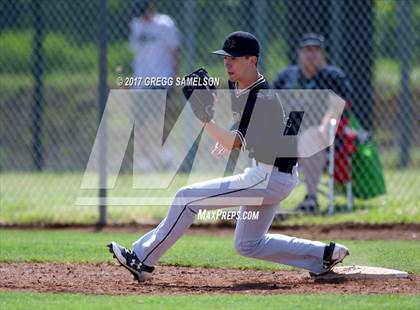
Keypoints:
(283, 168)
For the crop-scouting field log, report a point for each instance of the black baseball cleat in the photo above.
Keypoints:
(129, 260)
(334, 254)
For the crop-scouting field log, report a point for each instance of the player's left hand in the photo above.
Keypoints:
(201, 102)
(219, 151)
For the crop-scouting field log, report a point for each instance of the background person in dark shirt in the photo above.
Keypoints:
(313, 72)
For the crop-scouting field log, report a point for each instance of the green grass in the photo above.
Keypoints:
(388, 72)
(51, 198)
(399, 205)
(74, 246)
(60, 54)
(26, 300)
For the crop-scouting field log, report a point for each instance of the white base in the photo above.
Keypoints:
(363, 272)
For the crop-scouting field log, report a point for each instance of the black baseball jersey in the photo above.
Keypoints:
(329, 77)
(240, 98)
(262, 139)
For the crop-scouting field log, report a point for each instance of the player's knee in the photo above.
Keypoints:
(247, 248)
(183, 200)
(180, 197)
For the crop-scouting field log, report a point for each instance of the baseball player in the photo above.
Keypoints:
(270, 181)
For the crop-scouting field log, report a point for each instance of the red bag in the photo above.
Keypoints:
(345, 146)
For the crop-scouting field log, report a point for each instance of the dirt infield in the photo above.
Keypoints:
(170, 280)
(317, 232)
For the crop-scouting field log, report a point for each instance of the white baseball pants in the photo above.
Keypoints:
(259, 188)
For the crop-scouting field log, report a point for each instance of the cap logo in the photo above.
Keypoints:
(230, 44)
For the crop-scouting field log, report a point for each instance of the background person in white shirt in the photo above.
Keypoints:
(155, 44)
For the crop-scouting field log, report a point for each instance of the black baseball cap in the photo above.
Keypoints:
(141, 6)
(312, 39)
(240, 43)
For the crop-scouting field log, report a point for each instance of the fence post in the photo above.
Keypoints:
(357, 56)
(102, 94)
(189, 35)
(335, 42)
(38, 90)
(190, 38)
(260, 30)
(404, 44)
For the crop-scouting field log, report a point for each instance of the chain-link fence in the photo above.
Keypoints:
(59, 59)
